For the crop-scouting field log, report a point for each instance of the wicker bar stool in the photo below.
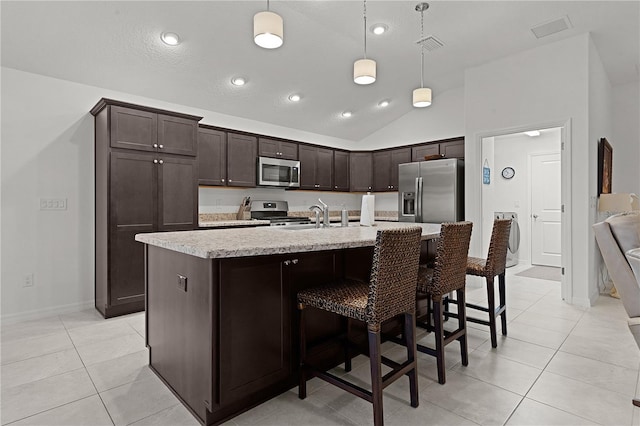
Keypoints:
(389, 293)
(447, 275)
(488, 268)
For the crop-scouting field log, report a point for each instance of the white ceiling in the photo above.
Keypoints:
(116, 45)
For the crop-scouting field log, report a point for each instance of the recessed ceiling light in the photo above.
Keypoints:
(532, 133)
(346, 114)
(378, 29)
(384, 103)
(172, 39)
(238, 81)
(295, 97)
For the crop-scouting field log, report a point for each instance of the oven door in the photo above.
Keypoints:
(276, 172)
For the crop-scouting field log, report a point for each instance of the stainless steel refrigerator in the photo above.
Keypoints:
(431, 191)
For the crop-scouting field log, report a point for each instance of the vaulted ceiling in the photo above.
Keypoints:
(116, 45)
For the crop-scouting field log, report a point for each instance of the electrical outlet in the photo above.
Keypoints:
(53, 203)
(28, 280)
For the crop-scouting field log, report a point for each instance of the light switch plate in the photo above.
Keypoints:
(182, 282)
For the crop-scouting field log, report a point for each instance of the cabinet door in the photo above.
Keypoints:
(398, 156)
(324, 169)
(289, 150)
(177, 135)
(212, 157)
(340, 170)
(454, 149)
(268, 148)
(178, 193)
(308, 158)
(382, 166)
(360, 171)
(133, 129)
(419, 152)
(255, 332)
(133, 209)
(242, 153)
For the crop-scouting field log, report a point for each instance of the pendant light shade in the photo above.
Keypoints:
(268, 29)
(422, 97)
(364, 71)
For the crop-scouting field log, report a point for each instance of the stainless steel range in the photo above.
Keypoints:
(276, 212)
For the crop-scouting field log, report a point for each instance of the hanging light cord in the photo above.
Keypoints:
(422, 48)
(365, 28)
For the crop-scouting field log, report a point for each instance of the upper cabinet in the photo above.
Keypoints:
(449, 148)
(316, 167)
(385, 164)
(419, 152)
(341, 170)
(360, 171)
(242, 153)
(453, 149)
(277, 149)
(144, 130)
(212, 157)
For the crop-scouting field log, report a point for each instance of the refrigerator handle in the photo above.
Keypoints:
(418, 199)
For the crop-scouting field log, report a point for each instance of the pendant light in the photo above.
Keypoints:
(364, 70)
(422, 95)
(268, 29)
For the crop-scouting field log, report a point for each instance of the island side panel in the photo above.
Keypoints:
(181, 325)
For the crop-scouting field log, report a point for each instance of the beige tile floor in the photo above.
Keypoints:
(560, 365)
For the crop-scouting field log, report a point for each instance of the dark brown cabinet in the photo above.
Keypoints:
(360, 171)
(453, 149)
(419, 152)
(385, 163)
(212, 157)
(277, 149)
(140, 187)
(242, 153)
(340, 170)
(316, 167)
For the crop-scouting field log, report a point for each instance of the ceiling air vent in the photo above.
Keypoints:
(430, 43)
(551, 27)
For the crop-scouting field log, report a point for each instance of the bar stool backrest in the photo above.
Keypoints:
(451, 258)
(497, 256)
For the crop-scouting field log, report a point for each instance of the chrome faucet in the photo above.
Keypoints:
(321, 208)
(317, 210)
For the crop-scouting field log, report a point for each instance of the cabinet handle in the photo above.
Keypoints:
(230, 181)
(160, 146)
(161, 162)
(294, 261)
(155, 145)
(369, 188)
(336, 187)
(222, 180)
(287, 262)
(155, 161)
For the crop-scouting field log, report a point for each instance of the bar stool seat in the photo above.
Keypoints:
(389, 293)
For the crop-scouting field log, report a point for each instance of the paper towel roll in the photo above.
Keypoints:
(367, 211)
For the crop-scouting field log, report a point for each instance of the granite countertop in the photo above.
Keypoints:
(241, 242)
(230, 223)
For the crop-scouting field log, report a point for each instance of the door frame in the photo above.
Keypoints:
(530, 189)
(566, 173)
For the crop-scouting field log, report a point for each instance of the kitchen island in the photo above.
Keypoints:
(220, 308)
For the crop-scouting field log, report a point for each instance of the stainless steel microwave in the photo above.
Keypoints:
(277, 172)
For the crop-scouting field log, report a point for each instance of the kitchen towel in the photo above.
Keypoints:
(367, 211)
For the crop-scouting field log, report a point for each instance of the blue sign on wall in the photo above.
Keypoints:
(486, 173)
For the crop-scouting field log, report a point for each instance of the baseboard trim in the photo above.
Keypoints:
(46, 312)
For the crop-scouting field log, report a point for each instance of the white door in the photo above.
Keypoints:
(546, 218)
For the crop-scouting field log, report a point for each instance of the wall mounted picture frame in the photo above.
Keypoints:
(605, 164)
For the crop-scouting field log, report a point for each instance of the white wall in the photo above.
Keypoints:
(514, 194)
(47, 152)
(626, 138)
(547, 84)
(443, 119)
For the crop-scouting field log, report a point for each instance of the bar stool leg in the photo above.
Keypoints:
(412, 354)
(503, 301)
(302, 384)
(439, 336)
(376, 373)
(347, 351)
(462, 325)
(492, 312)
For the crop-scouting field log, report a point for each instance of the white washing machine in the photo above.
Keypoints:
(514, 236)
